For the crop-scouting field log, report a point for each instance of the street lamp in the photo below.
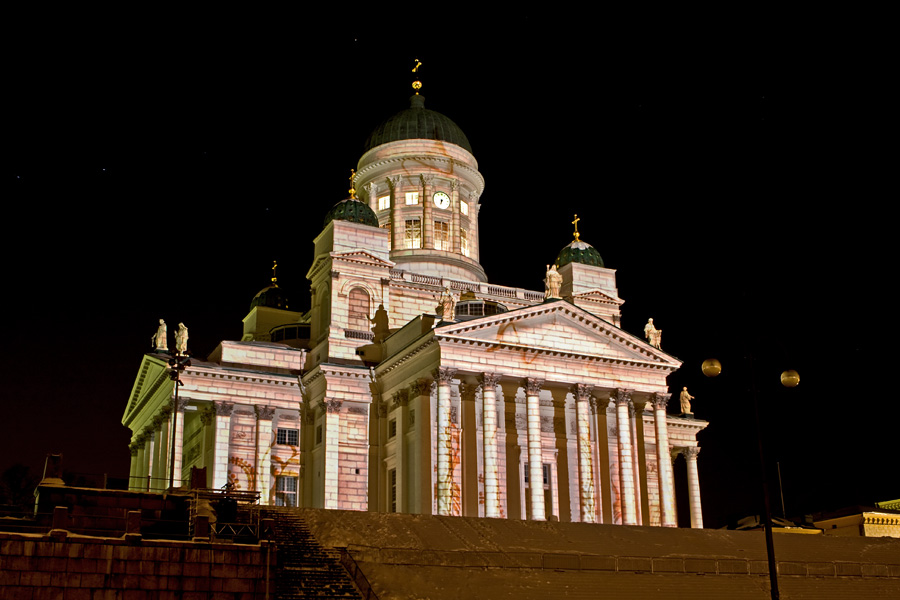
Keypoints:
(711, 368)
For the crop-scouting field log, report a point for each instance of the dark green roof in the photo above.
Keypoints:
(579, 252)
(271, 296)
(352, 210)
(418, 123)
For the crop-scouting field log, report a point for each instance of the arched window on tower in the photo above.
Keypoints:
(359, 309)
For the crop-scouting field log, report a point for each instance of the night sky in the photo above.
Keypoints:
(735, 180)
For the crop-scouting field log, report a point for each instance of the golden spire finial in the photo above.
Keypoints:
(274, 278)
(352, 189)
(417, 85)
(575, 223)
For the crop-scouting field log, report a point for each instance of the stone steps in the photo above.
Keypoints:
(305, 568)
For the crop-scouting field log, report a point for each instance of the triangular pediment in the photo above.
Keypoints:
(149, 378)
(354, 256)
(558, 328)
(598, 296)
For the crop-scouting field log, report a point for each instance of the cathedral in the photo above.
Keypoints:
(415, 385)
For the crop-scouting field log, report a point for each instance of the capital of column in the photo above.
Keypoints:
(156, 422)
(166, 410)
(400, 398)
(691, 452)
(223, 409)
(333, 406)
(594, 404)
(621, 396)
(444, 375)
(532, 386)
(426, 179)
(265, 413)
(454, 184)
(382, 409)
(393, 182)
(660, 401)
(488, 380)
(208, 416)
(134, 447)
(467, 390)
(371, 189)
(182, 404)
(419, 387)
(582, 392)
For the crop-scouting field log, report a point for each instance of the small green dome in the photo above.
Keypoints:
(579, 252)
(418, 123)
(352, 210)
(271, 296)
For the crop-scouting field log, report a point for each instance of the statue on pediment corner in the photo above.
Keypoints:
(552, 283)
(653, 335)
(159, 339)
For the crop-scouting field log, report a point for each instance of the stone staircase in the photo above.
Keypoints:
(305, 568)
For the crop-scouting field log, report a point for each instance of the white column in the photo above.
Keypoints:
(332, 452)
(488, 382)
(135, 450)
(223, 442)
(664, 462)
(178, 433)
(622, 399)
(264, 416)
(443, 376)
(165, 448)
(582, 395)
(535, 452)
(149, 456)
(690, 453)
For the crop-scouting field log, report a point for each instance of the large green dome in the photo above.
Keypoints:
(352, 210)
(579, 252)
(418, 123)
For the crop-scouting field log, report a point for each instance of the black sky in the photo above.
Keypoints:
(735, 176)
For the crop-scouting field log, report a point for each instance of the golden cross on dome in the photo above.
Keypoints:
(417, 85)
(352, 189)
(575, 223)
(274, 278)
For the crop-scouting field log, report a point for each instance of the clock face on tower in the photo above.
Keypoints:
(441, 200)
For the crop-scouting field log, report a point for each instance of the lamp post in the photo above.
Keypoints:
(177, 363)
(711, 368)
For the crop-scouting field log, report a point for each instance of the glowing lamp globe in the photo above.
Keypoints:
(790, 378)
(711, 367)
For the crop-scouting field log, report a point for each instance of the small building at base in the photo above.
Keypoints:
(464, 397)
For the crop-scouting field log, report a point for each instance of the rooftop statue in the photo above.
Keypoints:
(686, 401)
(158, 339)
(653, 335)
(447, 306)
(552, 281)
(181, 339)
(380, 327)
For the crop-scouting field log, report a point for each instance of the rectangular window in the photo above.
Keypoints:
(392, 491)
(289, 437)
(545, 471)
(464, 241)
(412, 197)
(464, 207)
(285, 491)
(392, 428)
(413, 233)
(384, 203)
(442, 235)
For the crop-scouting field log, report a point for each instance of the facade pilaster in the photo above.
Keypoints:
(582, 395)
(426, 182)
(690, 454)
(622, 399)
(399, 406)
(454, 218)
(332, 452)
(468, 449)
(397, 225)
(488, 382)
(223, 442)
(535, 452)
(422, 496)
(443, 376)
(664, 464)
(264, 415)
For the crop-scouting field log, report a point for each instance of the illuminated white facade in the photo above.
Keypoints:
(517, 408)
